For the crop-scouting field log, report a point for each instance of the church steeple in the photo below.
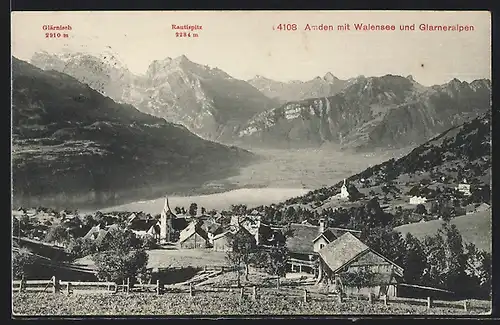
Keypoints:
(166, 222)
(344, 193)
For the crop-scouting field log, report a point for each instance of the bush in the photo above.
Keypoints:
(148, 242)
(117, 266)
(21, 261)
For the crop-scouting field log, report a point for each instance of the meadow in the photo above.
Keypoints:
(269, 302)
(475, 228)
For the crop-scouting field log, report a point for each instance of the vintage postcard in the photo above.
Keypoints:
(246, 163)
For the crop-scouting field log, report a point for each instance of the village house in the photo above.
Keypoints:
(193, 236)
(253, 224)
(306, 242)
(416, 200)
(99, 232)
(473, 208)
(212, 228)
(146, 227)
(464, 188)
(348, 254)
(223, 241)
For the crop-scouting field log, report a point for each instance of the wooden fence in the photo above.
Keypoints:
(54, 285)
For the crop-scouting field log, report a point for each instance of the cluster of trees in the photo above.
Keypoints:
(21, 261)
(122, 256)
(80, 247)
(442, 260)
(119, 256)
(245, 253)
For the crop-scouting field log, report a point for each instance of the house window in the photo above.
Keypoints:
(321, 245)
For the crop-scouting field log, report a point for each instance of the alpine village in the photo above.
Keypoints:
(409, 235)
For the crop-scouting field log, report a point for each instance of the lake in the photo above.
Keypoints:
(278, 176)
(250, 196)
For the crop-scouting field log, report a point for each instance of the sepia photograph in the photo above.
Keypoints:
(246, 163)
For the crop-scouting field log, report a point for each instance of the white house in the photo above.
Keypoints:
(464, 188)
(417, 200)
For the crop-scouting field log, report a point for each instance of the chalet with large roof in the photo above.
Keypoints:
(348, 255)
(307, 240)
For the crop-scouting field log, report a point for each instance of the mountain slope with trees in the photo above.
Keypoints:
(208, 101)
(74, 147)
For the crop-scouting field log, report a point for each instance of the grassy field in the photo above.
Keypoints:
(162, 258)
(475, 228)
(269, 302)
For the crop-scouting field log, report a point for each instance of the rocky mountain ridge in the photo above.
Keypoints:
(74, 147)
(389, 111)
(206, 100)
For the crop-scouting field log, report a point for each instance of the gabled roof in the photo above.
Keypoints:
(211, 227)
(228, 234)
(345, 250)
(92, 231)
(302, 240)
(190, 230)
(142, 225)
(341, 251)
(483, 206)
(179, 223)
(332, 233)
(304, 236)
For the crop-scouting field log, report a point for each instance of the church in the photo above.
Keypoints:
(166, 224)
(344, 193)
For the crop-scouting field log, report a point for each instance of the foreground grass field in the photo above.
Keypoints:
(475, 228)
(215, 303)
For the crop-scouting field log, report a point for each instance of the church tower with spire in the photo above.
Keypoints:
(166, 227)
(344, 193)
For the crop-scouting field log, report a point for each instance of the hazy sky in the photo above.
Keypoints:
(244, 44)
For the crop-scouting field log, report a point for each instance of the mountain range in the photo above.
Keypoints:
(369, 112)
(73, 146)
(208, 101)
(460, 153)
(363, 113)
(298, 90)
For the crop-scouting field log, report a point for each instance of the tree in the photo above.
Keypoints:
(117, 266)
(385, 241)
(420, 209)
(120, 239)
(275, 260)
(242, 252)
(414, 260)
(120, 257)
(80, 247)
(59, 234)
(22, 259)
(148, 242)
(178, 210)
(239, 209)
(193, 208)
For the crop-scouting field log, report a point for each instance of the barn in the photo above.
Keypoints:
(352, 267)
(222, 242)
(193, 236)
